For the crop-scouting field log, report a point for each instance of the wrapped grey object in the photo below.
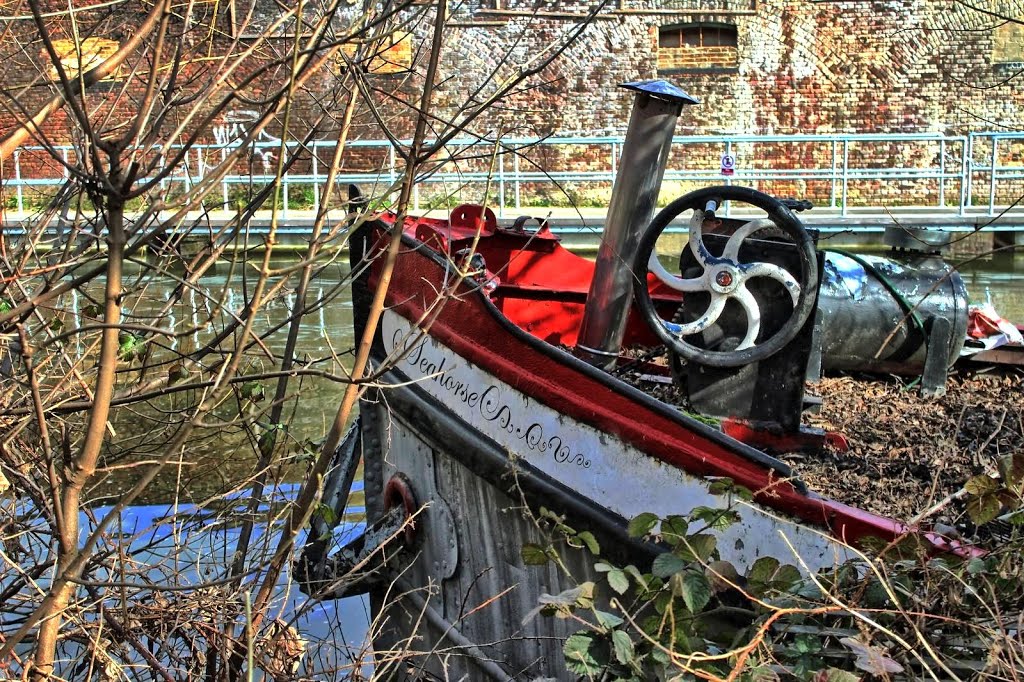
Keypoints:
(879, 314)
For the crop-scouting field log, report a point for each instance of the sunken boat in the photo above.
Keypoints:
(504, 404)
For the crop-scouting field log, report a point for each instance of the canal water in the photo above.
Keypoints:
(326, 337)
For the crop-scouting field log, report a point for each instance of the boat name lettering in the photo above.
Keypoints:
(490, 406)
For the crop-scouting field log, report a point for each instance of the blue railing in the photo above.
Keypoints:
(975, 173)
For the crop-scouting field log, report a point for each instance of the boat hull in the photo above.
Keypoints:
(484, 424)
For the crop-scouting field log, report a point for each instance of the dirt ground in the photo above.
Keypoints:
(908, 453)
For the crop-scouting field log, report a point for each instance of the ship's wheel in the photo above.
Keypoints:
(723, 279)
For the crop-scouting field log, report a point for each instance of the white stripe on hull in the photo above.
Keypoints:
(596, 465)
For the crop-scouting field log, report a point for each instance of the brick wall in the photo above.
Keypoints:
(799, 66)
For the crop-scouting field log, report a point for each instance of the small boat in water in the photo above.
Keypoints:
(504, 400)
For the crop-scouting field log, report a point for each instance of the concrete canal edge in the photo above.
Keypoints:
(976, 233)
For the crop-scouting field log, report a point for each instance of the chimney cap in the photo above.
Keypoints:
(661, 89)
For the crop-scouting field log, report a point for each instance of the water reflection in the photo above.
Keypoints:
(218, 458)
(999, 280)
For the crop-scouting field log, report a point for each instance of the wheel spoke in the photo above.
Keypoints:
(700, 324)
(749, 303)
(732, 247)
(700, 252)
(775, 272)
(668, 279)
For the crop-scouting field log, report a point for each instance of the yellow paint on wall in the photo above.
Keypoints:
(88, 54)
(393, 56)
(1008, 43)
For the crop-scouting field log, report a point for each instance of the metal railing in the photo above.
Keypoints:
(975, 173)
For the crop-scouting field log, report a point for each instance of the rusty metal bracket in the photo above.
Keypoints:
(358, 566)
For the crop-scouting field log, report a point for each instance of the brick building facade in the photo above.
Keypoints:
(758, 66)
(776, 66)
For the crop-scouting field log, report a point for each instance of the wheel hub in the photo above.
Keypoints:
(725, 279)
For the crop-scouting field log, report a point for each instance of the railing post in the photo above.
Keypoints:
(728, 179)
(315, 167)
(992, 176)
(224, 179)
(518, 184)
(391, 165)
(501, 185)
(835, 176)
(284, 187)
(965, 173)
(17, 179)
(846, 177)
(942, 173)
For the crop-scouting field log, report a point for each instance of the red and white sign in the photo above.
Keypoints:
(728, 164)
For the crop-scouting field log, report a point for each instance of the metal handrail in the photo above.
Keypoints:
(955, 163)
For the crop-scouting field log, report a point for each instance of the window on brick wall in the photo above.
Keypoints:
(697, 48)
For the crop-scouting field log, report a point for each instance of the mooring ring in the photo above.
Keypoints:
(398, 491)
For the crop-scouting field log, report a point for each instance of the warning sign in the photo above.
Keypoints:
(728, 164)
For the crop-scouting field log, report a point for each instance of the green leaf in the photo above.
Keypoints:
(637, 575)
(534, 555)
(726, 486)
(981, 484)
(585, 599)
(786, 578)
(253, 391)
(763, 570)
(698, 547)
(806, 644)
(602, 567)
(618, 581)
(722, 486)
(5, 306)
(587, 538)
(327, 514)
(674, 528)
(642, 524)
(547, 513)
(761, 673)
(696, 591)
(667, 564)
(984, 508)
(875, 595)
(583, 654)
(716, 519)
(128, 346)
(661, 657)
(662, 601)
(623, 646)
(608, 620)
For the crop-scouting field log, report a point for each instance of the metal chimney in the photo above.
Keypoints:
(641, 168)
